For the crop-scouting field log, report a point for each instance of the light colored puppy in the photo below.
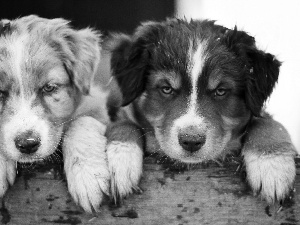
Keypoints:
(48, 94)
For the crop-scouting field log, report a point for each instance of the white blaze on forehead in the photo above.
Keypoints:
(191, 117)
(16, 49)
(197, 62)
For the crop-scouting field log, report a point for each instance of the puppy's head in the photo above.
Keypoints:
(196, 83)
(45, 67)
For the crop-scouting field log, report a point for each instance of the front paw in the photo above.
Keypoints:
(88, 184)
(7, 174)
(125, 161)
(85, 162)
(270, 175)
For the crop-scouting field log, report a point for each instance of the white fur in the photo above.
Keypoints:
(7, 174)
(17, 50)
(214, 145)
(197, 63)
(26, 119)
(273, 174)
(125, 160)
(191, 117)
(85, 162)
(174, 148)
(84, 142)
(94, 104)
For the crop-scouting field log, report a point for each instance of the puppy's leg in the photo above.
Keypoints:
(85, 162)
(125, 157)
(269, 158)
(7, 174)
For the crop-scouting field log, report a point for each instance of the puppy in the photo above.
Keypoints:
(48, 95)
(195, 90)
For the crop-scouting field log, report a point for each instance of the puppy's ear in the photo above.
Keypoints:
(129, 65)
(79, 51)
(261, 68)
(5, 27)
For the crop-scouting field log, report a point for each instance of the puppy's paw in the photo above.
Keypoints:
(7, 174)
(271, 175)
(88, 184)
(125, 161)
(86, 163)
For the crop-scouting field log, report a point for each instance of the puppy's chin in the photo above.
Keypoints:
(24, 158)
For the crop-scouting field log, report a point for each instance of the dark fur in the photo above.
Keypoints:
(5, 28)
(133, 57)
(231, 58)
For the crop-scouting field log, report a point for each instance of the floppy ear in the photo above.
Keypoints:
(5, 27)
(79, 51)
(129, 65)
(261, 68)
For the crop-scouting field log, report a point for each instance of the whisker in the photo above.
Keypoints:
(70, 119)
(143, 135)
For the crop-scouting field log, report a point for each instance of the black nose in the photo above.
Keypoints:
(27, 142)
(191, 140)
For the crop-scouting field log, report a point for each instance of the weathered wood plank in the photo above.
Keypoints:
(206, 195)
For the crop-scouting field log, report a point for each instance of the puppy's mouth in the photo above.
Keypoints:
(31, 146)
(24, 158)
(193, 147)
(192, 157)
(34, 157)
(187, 144)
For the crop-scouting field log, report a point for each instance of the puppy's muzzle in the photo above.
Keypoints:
(27, 142)
(191, 138)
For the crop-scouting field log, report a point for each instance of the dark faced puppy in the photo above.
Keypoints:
(195, 87)
(46, 81)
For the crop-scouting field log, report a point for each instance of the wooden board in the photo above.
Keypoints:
(208, 194)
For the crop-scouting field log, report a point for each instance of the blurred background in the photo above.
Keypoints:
(275, 25)
(114, 15)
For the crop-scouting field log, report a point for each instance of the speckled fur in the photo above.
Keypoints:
(36, 52)
(198, 60)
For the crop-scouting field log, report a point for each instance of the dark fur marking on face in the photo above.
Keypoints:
(229, 63)
(154, 48)
(163, 78)
(5, 28)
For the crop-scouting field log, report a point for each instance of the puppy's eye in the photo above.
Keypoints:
(49, 88)
(220, 92)
(167, 90)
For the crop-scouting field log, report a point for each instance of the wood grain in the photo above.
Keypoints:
(209, 194)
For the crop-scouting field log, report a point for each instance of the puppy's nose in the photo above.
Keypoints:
(191, 139)
(28, 142)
